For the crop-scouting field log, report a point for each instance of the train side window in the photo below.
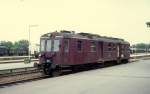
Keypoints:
(93, 46)
(66, 45)
(114, 47)
(109, 46)
(42, 45)
(56, 45)
(123, 47)
(48, 45)
(79, 45)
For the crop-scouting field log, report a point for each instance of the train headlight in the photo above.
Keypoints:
(48, 61)
(40, 55)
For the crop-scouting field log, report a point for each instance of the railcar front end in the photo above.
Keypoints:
(49, 57)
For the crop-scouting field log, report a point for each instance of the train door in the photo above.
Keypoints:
(66, 52)
(118, 51)
(100, 49)
(79, 54)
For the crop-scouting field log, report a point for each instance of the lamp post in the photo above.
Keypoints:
(29, 54)
(148, 25)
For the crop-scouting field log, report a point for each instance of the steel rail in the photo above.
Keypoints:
(18, 71)
(15, 61)
(27, 70)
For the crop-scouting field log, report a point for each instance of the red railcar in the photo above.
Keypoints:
(65, 48)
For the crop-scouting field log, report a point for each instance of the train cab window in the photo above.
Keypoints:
(48, 46)
(56, 45)
(79, 45)
(42, 45)
(93, 46)
(66, 45)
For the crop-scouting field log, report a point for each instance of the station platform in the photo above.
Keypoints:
(139, 54)
(12, 56)
(15, 65)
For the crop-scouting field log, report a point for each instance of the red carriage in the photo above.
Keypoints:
(66, 48)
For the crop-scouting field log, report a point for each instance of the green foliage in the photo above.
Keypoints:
(7, 44)
(141, 46)
(21, 45)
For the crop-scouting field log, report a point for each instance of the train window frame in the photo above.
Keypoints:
(113, 47)
(93, 46)
(109, 46)
(56, 45)
(48, 47)
(79, 45)
(42, 45)
(66, 45)
(123, 47)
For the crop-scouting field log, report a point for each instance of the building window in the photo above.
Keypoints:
(79, 45)
(66, 46)
(93, 46)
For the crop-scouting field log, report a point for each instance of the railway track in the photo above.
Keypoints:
(10, 76)
(17, 71)
(19, 74)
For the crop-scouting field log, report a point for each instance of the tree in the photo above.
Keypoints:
(21, 45)
(141, 45)
(8, 45)
(18, 48)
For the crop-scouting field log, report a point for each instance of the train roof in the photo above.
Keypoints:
(89, 36)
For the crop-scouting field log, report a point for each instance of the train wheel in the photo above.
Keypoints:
(125, 61)
(118, 61)
(51, 72)
(47, 71)
(55, 73)
(102, 65)
(74, 68)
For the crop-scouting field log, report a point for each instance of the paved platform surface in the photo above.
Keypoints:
(12, 56)
(15, 65)
(139, 54)
(131, 78)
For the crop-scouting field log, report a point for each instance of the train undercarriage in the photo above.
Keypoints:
(55, 70)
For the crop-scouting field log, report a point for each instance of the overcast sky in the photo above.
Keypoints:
(117, 18)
